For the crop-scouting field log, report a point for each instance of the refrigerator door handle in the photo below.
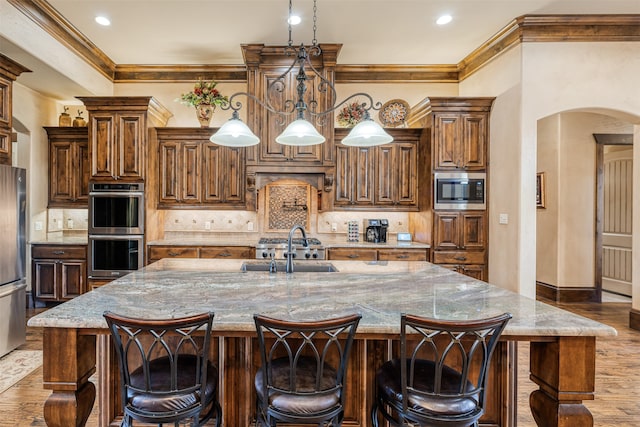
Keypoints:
(10, 289)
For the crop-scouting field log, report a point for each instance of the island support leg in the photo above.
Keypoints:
(565, 371)
(69, 359)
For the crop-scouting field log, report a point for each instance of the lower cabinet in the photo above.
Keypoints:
(59, 272)
(373, 254)
(157, 252)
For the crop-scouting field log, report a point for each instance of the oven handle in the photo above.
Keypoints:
(116, 193)
(116, 236)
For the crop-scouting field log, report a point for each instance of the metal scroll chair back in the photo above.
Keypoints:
(165, 373)
(440, 378)
(302, 377)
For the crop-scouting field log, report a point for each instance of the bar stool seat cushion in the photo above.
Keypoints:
(389, 385)
(161, 380)
(315, 402)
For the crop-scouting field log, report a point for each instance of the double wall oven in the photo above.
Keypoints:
(116, 229)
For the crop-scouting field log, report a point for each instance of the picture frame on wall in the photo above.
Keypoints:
(540, 191)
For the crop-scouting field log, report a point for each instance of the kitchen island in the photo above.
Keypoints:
(75, 338)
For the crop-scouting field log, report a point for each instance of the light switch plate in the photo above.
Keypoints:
(504, 218)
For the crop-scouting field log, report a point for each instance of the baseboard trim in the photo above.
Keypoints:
(634, 319)
(546, 291)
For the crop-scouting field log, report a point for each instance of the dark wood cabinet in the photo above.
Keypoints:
(68, 167)
(118, 128)
(195, 172)
(460, 141)
(460, 241)
(382, 177)
(374, 254)
(9, 72)
(59, 272)
(157, 252)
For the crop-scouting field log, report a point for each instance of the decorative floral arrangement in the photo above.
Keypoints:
(203, 93)
(351, 114)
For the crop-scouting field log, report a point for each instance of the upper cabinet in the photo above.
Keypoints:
(9, 72)
(68, 167)
(194, 172)
(385, 177)
(118, 131)
(459, 130)
(264, 65)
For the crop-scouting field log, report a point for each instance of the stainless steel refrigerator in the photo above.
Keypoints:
(13, 202)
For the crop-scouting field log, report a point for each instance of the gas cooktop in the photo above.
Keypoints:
(312, 241)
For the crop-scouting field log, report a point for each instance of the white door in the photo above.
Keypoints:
(616, 237)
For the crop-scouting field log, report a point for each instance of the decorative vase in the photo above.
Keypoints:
(64, 120)
(204, 113)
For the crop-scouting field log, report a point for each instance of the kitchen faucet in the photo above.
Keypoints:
(290, 253)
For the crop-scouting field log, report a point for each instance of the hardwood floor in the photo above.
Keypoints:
(617, 376)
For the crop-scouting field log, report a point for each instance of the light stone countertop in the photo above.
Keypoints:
(380, 291)
(62, 240)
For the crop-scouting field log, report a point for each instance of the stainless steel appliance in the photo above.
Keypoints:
(116, 229)
(116, 208)
(13, 285)
(375, 230)
(278, 247)
(459, 190)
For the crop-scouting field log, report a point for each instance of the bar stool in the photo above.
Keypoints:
(301, 379)
(441, 375)
(165, 373)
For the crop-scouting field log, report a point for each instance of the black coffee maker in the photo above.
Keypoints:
(375, 230)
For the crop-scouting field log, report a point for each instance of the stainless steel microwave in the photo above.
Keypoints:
(459, 190)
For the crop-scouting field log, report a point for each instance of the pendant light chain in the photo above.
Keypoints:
(314, 42)
(289, 21)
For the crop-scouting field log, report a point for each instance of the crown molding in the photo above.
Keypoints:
(552, 28)
(524, 29)
(43, 14)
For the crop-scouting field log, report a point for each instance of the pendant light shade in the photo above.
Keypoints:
(300, 132)
(234, 133)
(367, 133)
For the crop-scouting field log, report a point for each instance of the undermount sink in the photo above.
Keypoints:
(300, 267)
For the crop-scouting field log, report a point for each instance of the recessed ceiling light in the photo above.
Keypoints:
(294, 20)
(103, 20)
(444, 19)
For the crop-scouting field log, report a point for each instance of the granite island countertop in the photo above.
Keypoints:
(380, 291)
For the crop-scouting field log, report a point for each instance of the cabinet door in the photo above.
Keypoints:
(352, 254)
(406, 169)
(474, 135)
(158, 252)
(72, 279)
(473, 230)
(213, 173)
(82, 170)
(102, 148)
(5, 110)
(344, 176)
(402, 254)
(446, 141)
(228, 252)
(190, 173)
(385, 175)
(5, 146)
(364, 181)
(61, 182)
(130, 145)
(234, 176)
(476, 271)
(446, 230)
(169, 156)
(45, 276)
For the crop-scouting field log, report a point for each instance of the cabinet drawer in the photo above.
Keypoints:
(59, 251)
(352, 254)
(159, 252)
(458, 257)
(402, 255)
(228, 252)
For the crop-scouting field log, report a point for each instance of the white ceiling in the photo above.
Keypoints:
(371, 31)
(174, 32)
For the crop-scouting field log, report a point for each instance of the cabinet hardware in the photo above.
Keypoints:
(173, 253)
(225, 254)
(353, 256)
(58, 252)
(460, 258)
(404, 256)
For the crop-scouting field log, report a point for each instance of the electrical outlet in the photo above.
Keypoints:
(207, 225)
(503, 218)
(249, 226)
(334, 226)
(70, 224)
(38, 225)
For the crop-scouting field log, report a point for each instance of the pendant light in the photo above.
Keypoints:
(300, 132)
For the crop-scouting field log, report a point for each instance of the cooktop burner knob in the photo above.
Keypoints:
(265, 254)
(315, 253)
(307, 255)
